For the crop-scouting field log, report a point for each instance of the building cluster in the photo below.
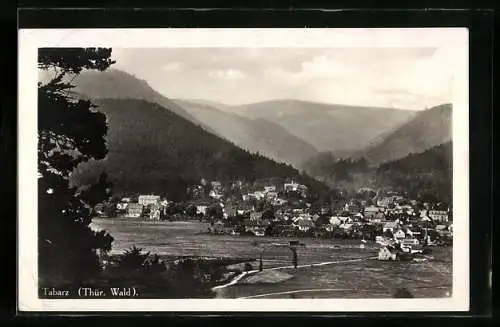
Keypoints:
(284, 210)
(148, 206)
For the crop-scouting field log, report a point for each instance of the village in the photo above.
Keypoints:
(284, 210)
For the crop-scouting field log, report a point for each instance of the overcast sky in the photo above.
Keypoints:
(406, 78)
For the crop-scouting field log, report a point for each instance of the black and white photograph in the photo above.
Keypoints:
(236, 169)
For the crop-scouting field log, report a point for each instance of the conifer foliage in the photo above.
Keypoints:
(70, 132)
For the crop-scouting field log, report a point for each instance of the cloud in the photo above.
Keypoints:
(173, 66)
(325, 66)
(230, 74)
(409, 78)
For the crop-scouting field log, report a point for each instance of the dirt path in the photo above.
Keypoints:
(246, 273)
(298, 291)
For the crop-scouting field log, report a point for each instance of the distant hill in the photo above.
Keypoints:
(328, 127)
(255, 135)
(214, 104)
(117, 84)
(425, 130)
(151, 149)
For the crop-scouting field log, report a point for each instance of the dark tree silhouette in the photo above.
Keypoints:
(70, 133)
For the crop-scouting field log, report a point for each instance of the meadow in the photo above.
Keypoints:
(366, 278)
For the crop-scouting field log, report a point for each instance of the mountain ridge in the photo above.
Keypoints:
(118, 84)
(328, 127)
(425, 130)
(255, 135)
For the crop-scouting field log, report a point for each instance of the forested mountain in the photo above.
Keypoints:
(255, 135)
(117, 84)
(427, 129)
(151, 149)
(428, 175)
(328, 127)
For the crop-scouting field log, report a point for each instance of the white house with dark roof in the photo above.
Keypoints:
(303, 224)
(134, 210)
(438, 215)
(390, 226)
(147, 199)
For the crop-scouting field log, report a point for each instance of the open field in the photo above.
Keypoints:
(346, 279)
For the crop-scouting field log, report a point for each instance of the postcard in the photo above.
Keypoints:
(219, 170)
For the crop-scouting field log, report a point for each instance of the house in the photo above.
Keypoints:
(269, 188)
(409, 232)
(122, 206)
(256, 227)
(229, 211)
(291, 187)
(353, 208)
(441, 227)
(399, 234)
(335, 221)
(216, 185)
(325, 210)
(390, 226)
(286, 230)
(302, 189)
(215, 195)
(378, 217)
(346, 226)
(259, 195)
(305, 216)
(409, 241)
(298, 211)
(149, 199)
(259, 231)
(241, 209)
(358, 217)
(386, 202)
(271, 195)
(134, 210)
(280, 212)
(279, 201)
(385, 254)
(99, 208)
(346, 220)
(410, 212)
(329, 227)
(196, 191)
(237, 185)
(201, 209)
(304, 224)
(371, 211)
(443, 230)
(255, 215)
(154, 212)
(438, 215)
